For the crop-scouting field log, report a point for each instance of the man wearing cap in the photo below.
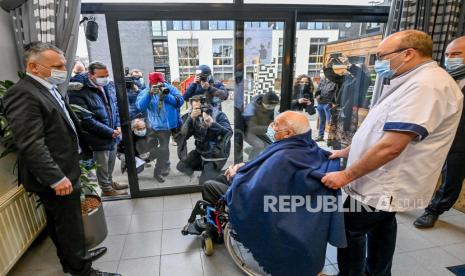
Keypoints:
(204, 84)
(161, 101)
(258, 115)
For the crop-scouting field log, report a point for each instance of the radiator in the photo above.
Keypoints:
(20, 223)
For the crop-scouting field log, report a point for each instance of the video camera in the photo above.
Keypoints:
(128, 81)
(160, 88)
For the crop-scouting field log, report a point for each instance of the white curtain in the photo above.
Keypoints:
(52, 21)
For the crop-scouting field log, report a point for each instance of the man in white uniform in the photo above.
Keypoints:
(397, 154)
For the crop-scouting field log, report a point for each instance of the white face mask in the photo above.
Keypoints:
(102, 81)
(57, 76)
(140, 133)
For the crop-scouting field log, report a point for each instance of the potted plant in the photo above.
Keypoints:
(95, 226)
(93, 216)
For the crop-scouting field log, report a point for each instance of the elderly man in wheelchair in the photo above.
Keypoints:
(271, 205)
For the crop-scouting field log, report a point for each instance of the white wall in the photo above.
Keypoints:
(8, 52)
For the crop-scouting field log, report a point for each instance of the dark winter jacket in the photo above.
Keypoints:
(216, 89)
(212, 142)
(326, 91)
(103, 119)
(256, 117)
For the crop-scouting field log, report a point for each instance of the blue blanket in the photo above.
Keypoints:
(286, 243)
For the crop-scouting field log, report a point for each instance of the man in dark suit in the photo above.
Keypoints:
(47, 135)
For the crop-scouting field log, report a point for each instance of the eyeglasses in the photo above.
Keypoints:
(379, 57)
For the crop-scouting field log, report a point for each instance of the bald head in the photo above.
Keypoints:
(456, 48)
(405, 50)
(290, 123)
(79, 68)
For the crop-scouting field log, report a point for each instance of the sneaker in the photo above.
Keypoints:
(114, 192)
(159, 177)
(426, 220)
(118, 186)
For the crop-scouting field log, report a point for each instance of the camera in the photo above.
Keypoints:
(160, 88)
(129, 82)
(203, 78)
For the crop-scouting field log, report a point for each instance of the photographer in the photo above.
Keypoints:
(204, 84)
(258, 115)
(161, 101)
(212, 133)
(134, 85)
(302, 97)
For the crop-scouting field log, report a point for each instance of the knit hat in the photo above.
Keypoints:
(156, 77)
(270, 98)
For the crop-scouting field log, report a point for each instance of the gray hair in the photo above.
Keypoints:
(96, 65)
(135, 121)
(34, 49)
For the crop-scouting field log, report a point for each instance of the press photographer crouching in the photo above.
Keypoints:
(212, 133)
(145, 147)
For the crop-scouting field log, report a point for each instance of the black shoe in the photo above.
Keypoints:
(184, 169)
(159, 177)
(426, 220)
(95, 272)
(97, 253)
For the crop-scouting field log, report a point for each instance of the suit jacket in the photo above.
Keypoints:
(47, 144)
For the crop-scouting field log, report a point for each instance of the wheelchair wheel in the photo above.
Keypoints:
(207, 246)
(241, 255)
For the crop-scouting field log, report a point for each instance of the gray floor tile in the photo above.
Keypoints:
(42, 256)
(141, 245)
(457, 250)
(148, 204)
(140, 267)
(118, 225)
(409, 240)
(115, 245)
(176, 219)
(181, 264)
(195, 197)
(448, 230)
(118, 207)
(177, 202)
(53, 271)
(405, 265)
(435, 260)
(220, 263)
(106, 266)
(146, 222)
(174, 242)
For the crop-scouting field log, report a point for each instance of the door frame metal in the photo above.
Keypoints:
(238, 12)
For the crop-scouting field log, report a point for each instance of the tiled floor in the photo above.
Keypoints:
(144, 240)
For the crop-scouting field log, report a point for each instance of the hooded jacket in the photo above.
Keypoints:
(257, 118)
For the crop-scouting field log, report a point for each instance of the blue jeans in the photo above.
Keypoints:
(325, 116)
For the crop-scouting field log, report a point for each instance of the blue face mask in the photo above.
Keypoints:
(215, 100)
(453, 63)
(271, 133)
(383, 68)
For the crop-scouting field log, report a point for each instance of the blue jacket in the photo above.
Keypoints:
(132, 98)
(165, 118)
(98, 126)
(287, 241)
(216, 89)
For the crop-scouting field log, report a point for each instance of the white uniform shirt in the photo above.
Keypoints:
(426, 101)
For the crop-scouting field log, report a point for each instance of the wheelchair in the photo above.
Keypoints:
(210, 222)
